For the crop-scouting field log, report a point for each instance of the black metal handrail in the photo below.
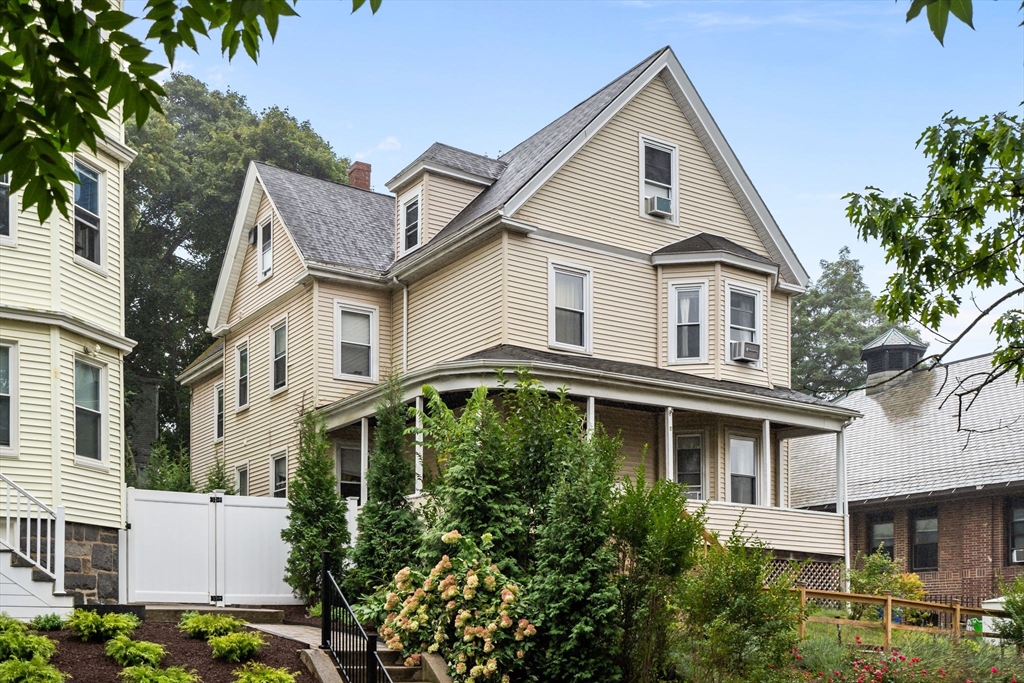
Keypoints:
(352, 649)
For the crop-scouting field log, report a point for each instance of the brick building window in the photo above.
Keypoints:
(1015, 527)
(881, 533)
(925, 539)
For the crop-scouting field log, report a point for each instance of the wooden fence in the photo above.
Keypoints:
(890, 622)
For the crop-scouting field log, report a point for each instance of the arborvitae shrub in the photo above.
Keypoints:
(218, 479)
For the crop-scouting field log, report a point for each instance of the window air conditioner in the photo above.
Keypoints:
(1017, 556)
(744, 352)
(252, 236)
(658, 206)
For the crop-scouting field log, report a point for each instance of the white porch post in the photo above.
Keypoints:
(670, 460)
(841, 501)
(766, 458)
(590, 417)
(364, 456)
(419, 445)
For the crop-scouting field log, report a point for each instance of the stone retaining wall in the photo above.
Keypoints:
(90, 564)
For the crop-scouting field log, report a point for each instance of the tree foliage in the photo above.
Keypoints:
(390, 530)
(832, 321)
(316, 512)
(964, 233)
(180, 199)
(218, 479)
(167, 470)
(1011, 627)
(68, 66)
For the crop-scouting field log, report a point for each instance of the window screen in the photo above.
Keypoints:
(690, 465)
(88, 411)
(355, 349)
(570, 308)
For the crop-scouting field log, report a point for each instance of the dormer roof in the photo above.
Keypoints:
(706, 242)
(448, 160)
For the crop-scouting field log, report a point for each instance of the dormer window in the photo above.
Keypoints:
(266, 249)
(411, 222)
(658, 179)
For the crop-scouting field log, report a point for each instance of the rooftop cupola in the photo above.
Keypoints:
(889, 354)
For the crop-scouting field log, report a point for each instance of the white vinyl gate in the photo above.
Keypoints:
(203, 548)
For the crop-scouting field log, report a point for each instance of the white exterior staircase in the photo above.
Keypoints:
(31, 555)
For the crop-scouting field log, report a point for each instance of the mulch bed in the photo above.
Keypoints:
(87, 663)
(296, 614)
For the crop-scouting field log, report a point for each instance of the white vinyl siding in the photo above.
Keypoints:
(355, 342)
(570, 307)
(88, 410)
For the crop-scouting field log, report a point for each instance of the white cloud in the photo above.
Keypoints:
(388, 144)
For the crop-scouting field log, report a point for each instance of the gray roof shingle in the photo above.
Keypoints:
(705, 241)
(893, 337)
(907, 443)
(333, 222)
(460, 160)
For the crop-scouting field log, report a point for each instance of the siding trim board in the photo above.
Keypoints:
(69, 323)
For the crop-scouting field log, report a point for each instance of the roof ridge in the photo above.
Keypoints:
(324, 180)
(466, 151)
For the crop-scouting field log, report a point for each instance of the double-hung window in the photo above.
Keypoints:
(218, 412)
(6, 227)
(8, 420)
(242, 365)
(744, 320)
(1015, 527)
(690, 464)
(743, 469)
(88, 410)
(570, 308)
(881, 534)
(242, 480)
(279, 356)
(355, 335)
(266, 240)
(688, 323)
(411, 224)
(87, 213)
(658, 179)
(279, 477)
(925, 539)
(350, 479)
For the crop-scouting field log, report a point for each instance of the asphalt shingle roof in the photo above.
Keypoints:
(707, 242)
(907, 443)
(333, 222)
(459, 159)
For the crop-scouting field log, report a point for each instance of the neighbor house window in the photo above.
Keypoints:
(659, 176)
(242, 480)
(1015, 526)
(690, 464)
(87, 213)
(218, 412)
(411, 223)
(570, 308)
(7, 379)
(881, 534)
(88, 410)
(266, 249)
(279, 356)
(355, 334)
(743, 469)
(350, 479)
(242, 364)
(279, 477)
(925, 539)
(5, 205)
(687, 323)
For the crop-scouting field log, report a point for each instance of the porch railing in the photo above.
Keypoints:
(353, 650)
(33, 531)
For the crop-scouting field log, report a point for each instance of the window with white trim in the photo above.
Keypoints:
(355, 335)
(266, 245)
(690, 464)
(218, 412)
(242, 371)
(742, 316)
(8, 420)
(743, 469)
(242, 480)
(688, 323)
(87, 214)
(6, 223)
(350, 470)
(279, 356)
(279, 477)
(88, 410)
(570, 304)
(658, 174)
(411, 224)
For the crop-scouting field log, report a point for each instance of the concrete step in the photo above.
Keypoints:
(255, 615)
(405, 673)
(389, 657)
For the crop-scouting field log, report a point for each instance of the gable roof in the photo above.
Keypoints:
(707, 242)
(908, 444)
(439, 154)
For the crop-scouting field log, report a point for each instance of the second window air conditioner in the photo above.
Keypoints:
(658, 206)
(744, 351)
(1017, 556)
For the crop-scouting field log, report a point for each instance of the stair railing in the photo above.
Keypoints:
(352, 649)
(33, 531)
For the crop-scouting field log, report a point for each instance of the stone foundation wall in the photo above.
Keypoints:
(90, 564)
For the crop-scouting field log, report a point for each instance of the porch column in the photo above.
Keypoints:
(364, 457)
(841, 501)
(670, 459)
(766, 458)
(591, 420)
(418, 486)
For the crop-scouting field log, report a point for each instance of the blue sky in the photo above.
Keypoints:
(817, 98)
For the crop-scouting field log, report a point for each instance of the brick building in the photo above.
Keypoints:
(947, 499)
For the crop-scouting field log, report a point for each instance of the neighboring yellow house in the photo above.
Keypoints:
(61, 391)
(621, 251)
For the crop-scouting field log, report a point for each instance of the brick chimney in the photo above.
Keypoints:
(359, 175)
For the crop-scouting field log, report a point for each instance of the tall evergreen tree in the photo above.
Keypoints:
(316, 512)
(389, 529)
(218, 479)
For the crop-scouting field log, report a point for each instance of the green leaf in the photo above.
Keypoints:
(915, 8)
(112, 20)
(374, 5)
(938, 17)
(356, 4)
(963, 10)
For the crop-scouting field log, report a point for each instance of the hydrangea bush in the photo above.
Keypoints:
(465, 609)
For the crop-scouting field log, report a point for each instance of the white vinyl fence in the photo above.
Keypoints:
(206, 548)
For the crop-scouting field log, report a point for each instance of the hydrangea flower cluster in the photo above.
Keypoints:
(465, 609)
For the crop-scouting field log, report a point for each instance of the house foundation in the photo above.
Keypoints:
(91, 564)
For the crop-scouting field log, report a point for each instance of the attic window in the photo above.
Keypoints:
(658, 179)
(266, 249)
(411, 220)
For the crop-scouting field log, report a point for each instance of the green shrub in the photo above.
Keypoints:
(149, 674)
(237, 647)
(1011, 626)
(218, 479)
(128, 652)
(89, 625)
(824, 653)
(47, 622)
(254, 672)
(21, 645)
(35, 670)
(878, 574)
(208, 625)
(10, 624)
(166, 471)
